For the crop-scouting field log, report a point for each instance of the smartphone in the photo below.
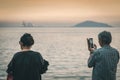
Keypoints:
(90, 42)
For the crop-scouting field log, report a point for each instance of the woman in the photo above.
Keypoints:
(27, 64)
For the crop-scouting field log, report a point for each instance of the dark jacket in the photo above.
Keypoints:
(27, 65)
(104, 62)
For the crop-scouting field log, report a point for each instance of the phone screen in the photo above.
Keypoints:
(90, 42)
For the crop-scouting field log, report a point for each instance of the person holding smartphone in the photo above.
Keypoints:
(26, 64)
(103, 60)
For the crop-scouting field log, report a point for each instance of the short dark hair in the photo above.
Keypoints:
(27, 39)
(105, 37)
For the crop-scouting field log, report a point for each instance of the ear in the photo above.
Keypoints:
(100, 42)
(20, 43)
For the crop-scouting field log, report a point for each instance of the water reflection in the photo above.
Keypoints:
(65, 49)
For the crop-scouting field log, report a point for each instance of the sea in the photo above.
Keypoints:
(64, 48)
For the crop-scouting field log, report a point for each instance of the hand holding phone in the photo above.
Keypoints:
(90, 42)
(91, 45)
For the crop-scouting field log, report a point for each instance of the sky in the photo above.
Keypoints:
(60, 11)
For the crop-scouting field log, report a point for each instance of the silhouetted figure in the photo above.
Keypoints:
(27, 64)
(103, 60)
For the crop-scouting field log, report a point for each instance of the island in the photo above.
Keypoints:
(92, 24)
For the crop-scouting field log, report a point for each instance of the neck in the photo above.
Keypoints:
(24, 48)
(105, 45)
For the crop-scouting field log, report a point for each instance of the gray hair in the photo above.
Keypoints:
(105, 37)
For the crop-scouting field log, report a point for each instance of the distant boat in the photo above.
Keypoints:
(92, 24)
(27, 24)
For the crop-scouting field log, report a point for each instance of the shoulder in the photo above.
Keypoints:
(97, 51)
(17, 54)
(108, 50)
(100, 49)
(115, 50)
(36, 53)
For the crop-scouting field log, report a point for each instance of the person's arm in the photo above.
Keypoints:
(91, 59)
(118, 57)
(43, 64)
(10, 66)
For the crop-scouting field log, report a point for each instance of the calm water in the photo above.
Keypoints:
(64, 48)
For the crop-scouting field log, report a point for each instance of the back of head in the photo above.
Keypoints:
(105, 37)
(27, 40)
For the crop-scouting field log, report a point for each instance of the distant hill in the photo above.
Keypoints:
(92, 24)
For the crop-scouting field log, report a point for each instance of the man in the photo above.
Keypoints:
(103, 60)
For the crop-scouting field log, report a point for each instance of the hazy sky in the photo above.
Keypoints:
(60, 10)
